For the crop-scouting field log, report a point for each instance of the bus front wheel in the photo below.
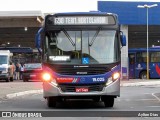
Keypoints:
(108, 101)
(51, 101)
(143, 75)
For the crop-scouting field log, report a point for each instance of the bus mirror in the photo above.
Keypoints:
(38, 40)
(123, 40)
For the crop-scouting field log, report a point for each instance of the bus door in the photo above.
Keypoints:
(131, 65)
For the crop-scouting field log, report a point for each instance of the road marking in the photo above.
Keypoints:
(144, 99)
(135, 100)
(153, 94)
(9, 96)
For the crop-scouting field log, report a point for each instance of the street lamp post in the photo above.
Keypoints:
(147, 7)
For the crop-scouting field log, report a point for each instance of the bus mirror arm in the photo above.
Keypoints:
(39, 50)
(38, 40)
(122, 38)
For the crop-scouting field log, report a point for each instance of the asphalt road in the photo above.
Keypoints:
(132, 99)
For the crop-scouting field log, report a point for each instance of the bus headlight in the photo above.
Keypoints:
(46, 77)
(114, 77)
(109, 81)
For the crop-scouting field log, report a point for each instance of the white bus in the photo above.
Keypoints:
(5, 59)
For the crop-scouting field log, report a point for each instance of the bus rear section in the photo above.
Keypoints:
(81, 57)
(138, 63)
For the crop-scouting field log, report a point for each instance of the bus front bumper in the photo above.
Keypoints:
(112, 89)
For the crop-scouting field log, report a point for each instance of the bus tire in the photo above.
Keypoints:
(108, 101)
(143, 75)
(51, 101)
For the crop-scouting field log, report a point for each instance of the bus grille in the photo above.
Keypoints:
(72, 88)
(71, 70)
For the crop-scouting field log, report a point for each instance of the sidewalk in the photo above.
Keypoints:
(139, 82)
(19, 88)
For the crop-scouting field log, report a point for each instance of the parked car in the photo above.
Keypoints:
(32, 71)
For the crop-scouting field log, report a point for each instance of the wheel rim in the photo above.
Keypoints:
(144, 76)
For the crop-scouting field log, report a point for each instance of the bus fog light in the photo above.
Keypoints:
(109, 81)
(114, 77)
(53, 82)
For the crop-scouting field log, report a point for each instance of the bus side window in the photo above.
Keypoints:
(155, 57)
(144, 59)
(139, 57)
(152, 59)
(144, 56)
(131, 59)
(158, 56)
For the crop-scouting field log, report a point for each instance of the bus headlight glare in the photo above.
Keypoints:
(116, 76)
(46, 77)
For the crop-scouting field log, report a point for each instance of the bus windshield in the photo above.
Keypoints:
(3, 59)
(71, 47)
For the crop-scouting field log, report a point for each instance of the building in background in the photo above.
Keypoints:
(18, 28)
(133, 23)
(17, 33)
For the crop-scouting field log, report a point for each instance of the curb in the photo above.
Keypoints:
(140, 84)
(12, 95)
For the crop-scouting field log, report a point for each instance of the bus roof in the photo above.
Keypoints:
(151, 49)
(85, 13)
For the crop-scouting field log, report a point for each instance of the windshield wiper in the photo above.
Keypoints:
(94, 37)
(69, 38)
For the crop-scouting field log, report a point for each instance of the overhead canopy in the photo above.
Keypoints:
(21, 18)
(18, 49)
(18, 28)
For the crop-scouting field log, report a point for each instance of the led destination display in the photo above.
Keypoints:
(82, 20)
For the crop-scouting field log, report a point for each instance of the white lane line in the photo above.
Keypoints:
(12, 95)
(144, 100)
(153, 94)
(137, 99)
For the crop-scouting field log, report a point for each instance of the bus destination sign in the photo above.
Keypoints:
(83, 20)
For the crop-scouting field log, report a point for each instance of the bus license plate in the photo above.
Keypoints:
(81, 89)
